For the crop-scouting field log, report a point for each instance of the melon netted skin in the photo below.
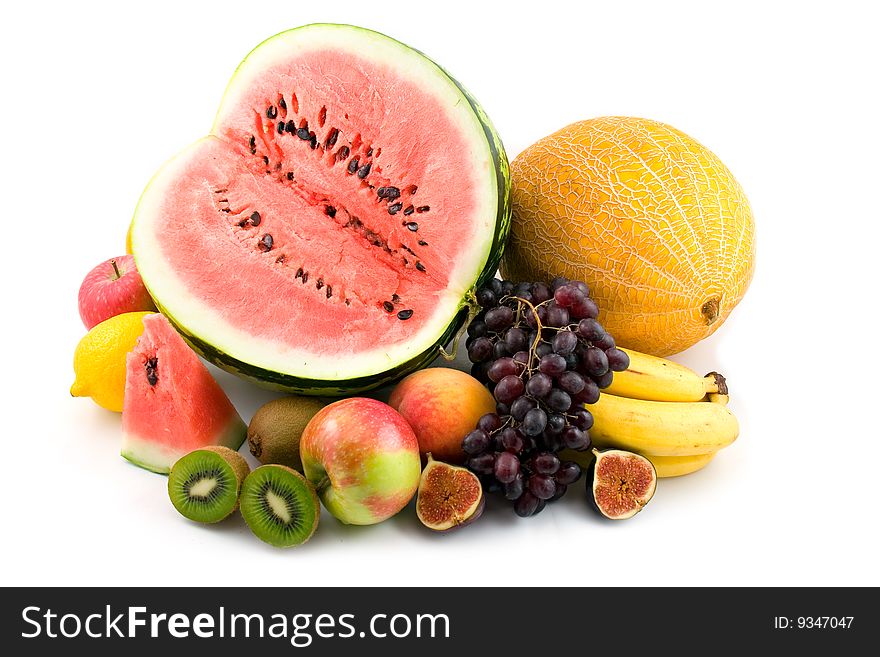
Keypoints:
(326, 236)
(651, 219)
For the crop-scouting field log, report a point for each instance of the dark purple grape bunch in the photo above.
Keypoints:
(543, 354)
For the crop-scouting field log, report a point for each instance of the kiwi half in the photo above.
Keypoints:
(204, 485)
(280, 505)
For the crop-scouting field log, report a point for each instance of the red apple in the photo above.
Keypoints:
(363, 459)
(442, 405)
(112, 288)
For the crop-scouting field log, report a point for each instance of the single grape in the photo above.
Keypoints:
(482, 463)
(522, 358)
(564, 343)
(618, 360)
(506, 467)
(502, 409)
(546, 463)
(540, 292)
(582, 287)
(500, 350)
(584, 308)
(595, 361)
(515, 339)
(574, 438)
(555, 423)
(496, 286)
(478, 371)
(521, 288)
(566, 295)
(502, 367)
(558, 400)
(605, 343)
(571, 382)
(590, 330)
(480, 350)
(499, 318)
(568, 473)
(604, 380)
(489, 422)
(521, 406)
(541, 486)
(539, 385)
(486, 297)
(543, 349)
(515, 488)
(531, 321)
(509, 388)
(557, 283)
(476, 442)
(560, 491)
(512, 440)
(477, 329)
(583, 419)
(590, 393)
(551, 442)
(556, 316)
(552, 365)
(534, 422)
(507, 287)
(526, 505)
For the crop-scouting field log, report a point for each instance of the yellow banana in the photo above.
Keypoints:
(658, 379)
(662, 428)
(676, 466)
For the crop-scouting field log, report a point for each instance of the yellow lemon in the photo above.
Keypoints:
(99, 359)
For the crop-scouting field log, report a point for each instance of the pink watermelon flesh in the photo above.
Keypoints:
(172, 404)
(331, 223)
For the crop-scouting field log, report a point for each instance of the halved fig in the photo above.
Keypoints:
(449, 496)
(620, 483)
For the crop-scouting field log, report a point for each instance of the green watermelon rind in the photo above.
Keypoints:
(340, 387)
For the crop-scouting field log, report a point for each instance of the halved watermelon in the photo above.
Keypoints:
(172, 404)
(325, 236)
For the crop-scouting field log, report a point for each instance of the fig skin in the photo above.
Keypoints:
(591, 476)
(423, 484)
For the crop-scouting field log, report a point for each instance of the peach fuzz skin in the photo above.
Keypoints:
(442, 405)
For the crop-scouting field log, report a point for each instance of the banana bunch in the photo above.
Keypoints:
(666, 412)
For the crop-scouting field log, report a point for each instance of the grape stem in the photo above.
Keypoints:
(539, 328)
(473, 311)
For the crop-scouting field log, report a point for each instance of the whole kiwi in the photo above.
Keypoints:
(275, 429)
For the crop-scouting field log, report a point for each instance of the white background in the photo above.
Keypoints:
(95, 98)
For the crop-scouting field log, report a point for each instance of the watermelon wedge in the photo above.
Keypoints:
(172, 404)
(327, 234)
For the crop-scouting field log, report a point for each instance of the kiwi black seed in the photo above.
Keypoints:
(275, 429)
(280, 505)
(204, 485)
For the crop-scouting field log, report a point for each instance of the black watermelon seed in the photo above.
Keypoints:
(348, 302)
(299, 273)
(412, 225)
(255, 219)
(313, 140)
(305, 277)
(342, 153)
(150, 367)
(404, 314)
(364, 171)
(320, 283)
(423, 208)
(409, 210)
(242, 223)
(420, 266)
(353, 165)
(388, 192)
(330, 211)
(271, 112)
(266, 242)
(303, 133)
(370, 152)
(334, 135)
(290, 175)
(395, 298)
(394, 209)
(423, 243)
(281, 103)
(329, 291)
(281, 127)
(265, 159)
(388, 306)
(290, 127)
(252, 144)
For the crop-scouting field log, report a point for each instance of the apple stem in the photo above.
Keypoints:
(115, 269)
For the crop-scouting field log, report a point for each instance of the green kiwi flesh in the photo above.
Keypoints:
(280, 505)
(204, 485)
